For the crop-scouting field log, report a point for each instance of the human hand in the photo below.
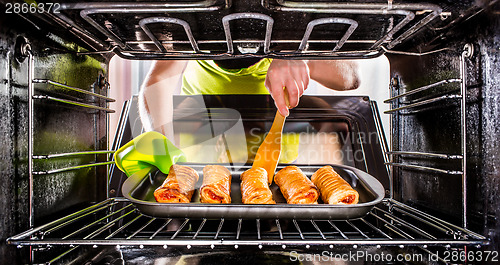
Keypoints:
(290, 74)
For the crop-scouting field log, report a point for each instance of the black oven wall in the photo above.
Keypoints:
(58, 128)
(436, 127)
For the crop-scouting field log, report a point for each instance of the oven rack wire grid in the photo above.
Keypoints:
(115, 222)
(218, 29)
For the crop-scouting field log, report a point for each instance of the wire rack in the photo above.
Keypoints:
(215, 29)
(403, 105)
(116, 222)
(97, 103)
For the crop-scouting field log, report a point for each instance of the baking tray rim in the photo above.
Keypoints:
(371, 183)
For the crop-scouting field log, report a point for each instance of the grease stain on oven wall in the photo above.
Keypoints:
(222, 257)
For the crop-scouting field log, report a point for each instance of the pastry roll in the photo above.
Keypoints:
(216, 185)
(333, 188)
(178, 186)
(296, 187)
(255, 188)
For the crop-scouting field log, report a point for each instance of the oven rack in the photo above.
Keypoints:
(419, 104)
(115, 222)
(93, 23)
(98, 103)
(65, 87)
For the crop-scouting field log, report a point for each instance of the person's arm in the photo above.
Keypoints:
(295, 76)
(335, 74)
(156, 96)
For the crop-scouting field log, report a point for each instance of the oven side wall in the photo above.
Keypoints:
(437, 129)
(58, 128)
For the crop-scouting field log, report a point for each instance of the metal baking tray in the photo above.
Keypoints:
(139, 189)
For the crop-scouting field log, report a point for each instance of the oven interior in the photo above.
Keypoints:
(439, 165)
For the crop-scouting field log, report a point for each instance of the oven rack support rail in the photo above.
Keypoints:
(115, 222)
(83, 104)
(414, 17)
(418, 105)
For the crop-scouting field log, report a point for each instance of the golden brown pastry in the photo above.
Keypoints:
(216, 187)
(296, 187)
(255, 188)
(333, 188)
(178, 186)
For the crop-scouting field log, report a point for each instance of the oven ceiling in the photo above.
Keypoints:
(273, 28)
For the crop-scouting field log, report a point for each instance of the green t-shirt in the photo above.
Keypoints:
(205, 77)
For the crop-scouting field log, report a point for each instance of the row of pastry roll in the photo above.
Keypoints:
(179, 186)
(180, 183)
(298, 189)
